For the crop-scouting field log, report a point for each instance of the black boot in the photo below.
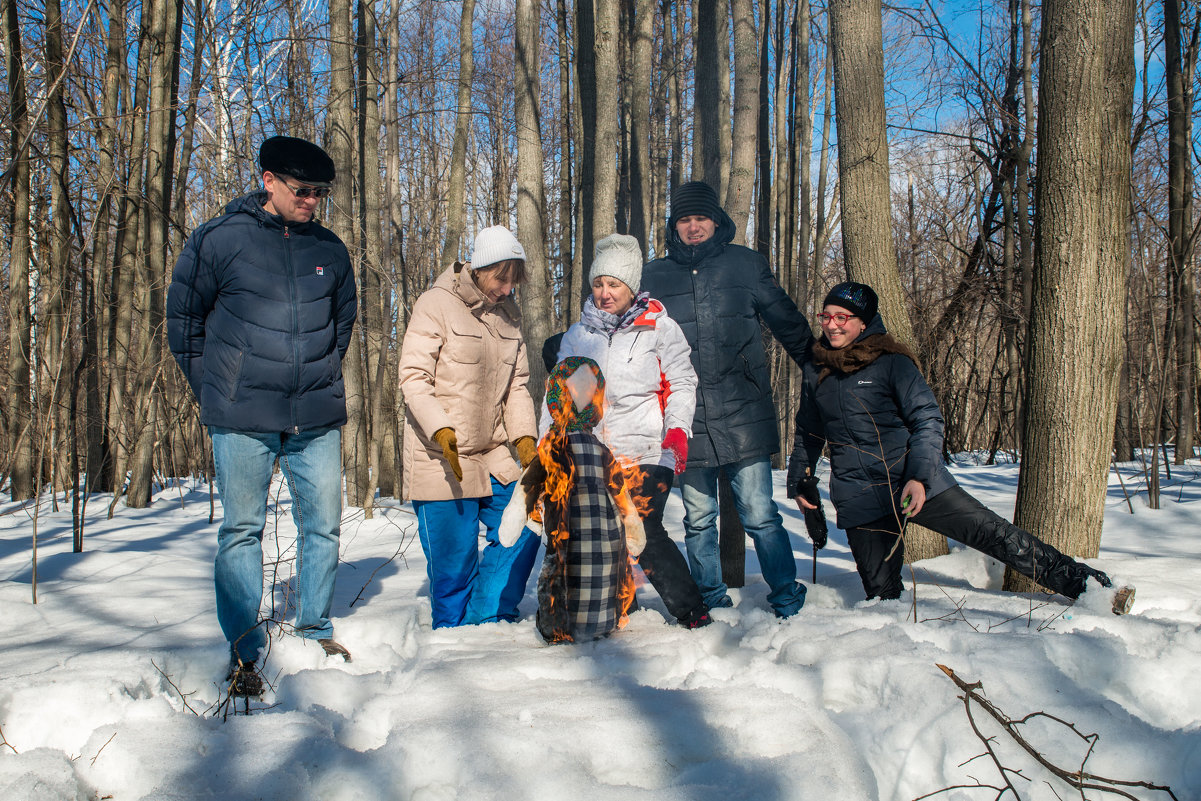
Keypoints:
(697, 618)
(244, 679)
(334, 648)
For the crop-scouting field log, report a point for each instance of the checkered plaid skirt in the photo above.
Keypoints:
(592, 564)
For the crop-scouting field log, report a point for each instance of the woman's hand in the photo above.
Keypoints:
(913, 497)
(676, 441)
(449, 443)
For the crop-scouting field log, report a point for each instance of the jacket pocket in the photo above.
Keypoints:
(466, 347)
(231, 393)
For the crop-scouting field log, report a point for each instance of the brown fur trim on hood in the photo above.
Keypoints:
(858, 354)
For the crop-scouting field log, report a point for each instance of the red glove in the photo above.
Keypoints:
(676, 441)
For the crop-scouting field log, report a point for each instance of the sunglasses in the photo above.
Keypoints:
(838, 319)
(302, 192)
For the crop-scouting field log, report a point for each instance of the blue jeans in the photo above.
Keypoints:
(751, 482)
(466, 587)
(312, 463)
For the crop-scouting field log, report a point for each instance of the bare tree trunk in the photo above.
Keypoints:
(740, 185)
(856, 40)
(1180, 220)
(587, 86)
(1075, 327)
(159, 142)
(376, 313)
(55, 283)
(341, 143)
(706, 106)
(458, 157)
(537, 302)
(20, 434)
(640, 98)
(569, 290)
(604, 156)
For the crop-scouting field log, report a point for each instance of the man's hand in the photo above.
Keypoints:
(449, 443)
(913, 497)
(676, 441)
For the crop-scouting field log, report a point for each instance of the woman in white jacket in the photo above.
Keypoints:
(650, 396)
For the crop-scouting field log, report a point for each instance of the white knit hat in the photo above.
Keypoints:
(495, 244)
(620, 256)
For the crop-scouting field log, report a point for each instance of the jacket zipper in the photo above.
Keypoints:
(295, 327)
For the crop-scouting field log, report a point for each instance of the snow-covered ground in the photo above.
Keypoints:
(110, 685)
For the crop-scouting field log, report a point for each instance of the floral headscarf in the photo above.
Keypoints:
(574, 395)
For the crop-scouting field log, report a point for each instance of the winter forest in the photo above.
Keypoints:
(1017, 178)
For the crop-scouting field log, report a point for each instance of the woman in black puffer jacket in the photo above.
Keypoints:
(864, 396)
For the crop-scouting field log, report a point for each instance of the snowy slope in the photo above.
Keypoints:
(110, 685)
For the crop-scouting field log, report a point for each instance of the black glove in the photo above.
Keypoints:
(815, 519)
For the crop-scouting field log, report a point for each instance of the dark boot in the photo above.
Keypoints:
(697, 618)
(244, 679)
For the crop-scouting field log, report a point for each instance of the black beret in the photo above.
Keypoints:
(299, 158)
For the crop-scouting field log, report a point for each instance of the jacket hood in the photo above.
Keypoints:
(723, 234)
(456, 280)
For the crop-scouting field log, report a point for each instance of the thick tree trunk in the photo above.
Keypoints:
(456, 197)
(1075, 349)
(1180, 221)
(342, 144)
(377, 316)
(55, 284)
(856, 40)
(537, 301)
(740, 183)
(587, 83)
(159, 142)
(706, 107)
(20, 433)
(569, 289)
(604, 155)
(640, 99)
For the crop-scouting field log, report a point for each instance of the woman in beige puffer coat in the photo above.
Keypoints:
(463, 372)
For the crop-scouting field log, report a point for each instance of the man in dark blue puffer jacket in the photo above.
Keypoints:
(722, 295)
(259, 315)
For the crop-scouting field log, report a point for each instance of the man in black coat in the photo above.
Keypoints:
(865, 399)
(259, 315)
(721, 295)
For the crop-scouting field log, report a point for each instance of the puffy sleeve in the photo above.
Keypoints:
(190, 298)
(919, 411)
(777, 309)
(423, 341)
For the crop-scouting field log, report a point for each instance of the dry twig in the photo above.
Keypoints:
(1077, 779)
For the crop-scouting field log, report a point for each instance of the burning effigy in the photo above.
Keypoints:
(578, 492)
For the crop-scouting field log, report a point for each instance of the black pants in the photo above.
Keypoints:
(661, 560)
(955, 514)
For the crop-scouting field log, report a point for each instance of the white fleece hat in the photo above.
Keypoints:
(495, 244)
(620, 256)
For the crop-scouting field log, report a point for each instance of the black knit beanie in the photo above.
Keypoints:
(694, 197)
(858, 298)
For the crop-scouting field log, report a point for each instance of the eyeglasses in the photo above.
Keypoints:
(837, 319)
(303, 192)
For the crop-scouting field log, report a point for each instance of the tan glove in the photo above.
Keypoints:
(449, 443)
(527, 450)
